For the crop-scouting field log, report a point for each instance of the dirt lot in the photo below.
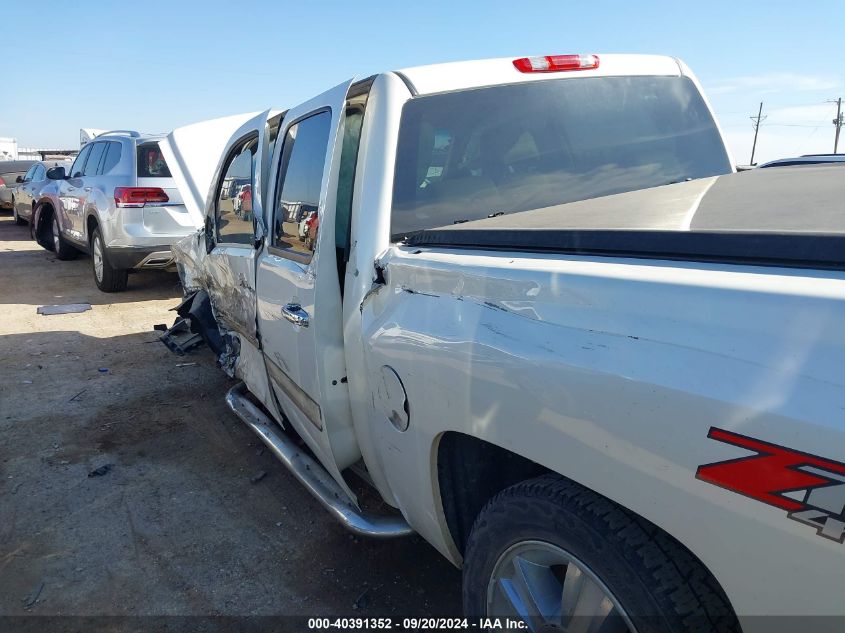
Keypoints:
(175, 527)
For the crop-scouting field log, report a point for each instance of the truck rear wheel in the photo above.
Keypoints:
(553, 554)
(107, 277)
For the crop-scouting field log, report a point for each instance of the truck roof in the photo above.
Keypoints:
(790, 216)
(436, 78)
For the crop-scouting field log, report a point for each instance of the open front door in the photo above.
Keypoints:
(193, 153)
(217, 169)
(299, 304)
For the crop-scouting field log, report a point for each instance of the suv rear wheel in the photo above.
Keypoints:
(107, 277)
(558, 557)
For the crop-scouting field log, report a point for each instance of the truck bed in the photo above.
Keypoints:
(792, 216)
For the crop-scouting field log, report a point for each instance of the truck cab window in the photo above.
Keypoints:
(471, 154)
(295, 219)
(233, 211)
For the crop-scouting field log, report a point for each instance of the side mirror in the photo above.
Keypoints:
(19, 179)
(56, 173)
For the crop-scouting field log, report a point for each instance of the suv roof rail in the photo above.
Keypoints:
(131, 133)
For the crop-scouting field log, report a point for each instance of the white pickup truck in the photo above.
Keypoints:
(531, 305)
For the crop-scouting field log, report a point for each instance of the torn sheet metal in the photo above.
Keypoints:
(67, 308)
(230, 283)
(189, 253)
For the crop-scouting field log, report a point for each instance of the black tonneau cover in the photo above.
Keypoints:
(791, 216)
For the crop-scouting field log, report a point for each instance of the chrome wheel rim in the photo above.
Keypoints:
(98, 258)
(56, 233)
(551, 590)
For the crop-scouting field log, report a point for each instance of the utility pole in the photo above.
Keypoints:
(756, 121)
(838, 123)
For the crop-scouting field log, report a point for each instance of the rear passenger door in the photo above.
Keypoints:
(29, 190)
(300, 319)
(70, 193)
(91, 190)
(23, 193)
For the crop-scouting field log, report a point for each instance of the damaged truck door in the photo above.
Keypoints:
(227, 246)
(300, 321)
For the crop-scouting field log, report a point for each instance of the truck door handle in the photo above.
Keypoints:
(294, 313)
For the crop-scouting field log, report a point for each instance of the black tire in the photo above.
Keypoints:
(18, 220)
(661, 586)
(64, 251)
(110, 279)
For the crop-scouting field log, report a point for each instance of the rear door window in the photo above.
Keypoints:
(112, 158)
(296, 220)
(97, 151)
(151, 163)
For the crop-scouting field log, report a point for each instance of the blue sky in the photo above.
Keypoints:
(155, 65)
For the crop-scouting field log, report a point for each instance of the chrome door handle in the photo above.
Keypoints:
(294, 313)
(87, 188)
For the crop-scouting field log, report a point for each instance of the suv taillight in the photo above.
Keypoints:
(138, 196)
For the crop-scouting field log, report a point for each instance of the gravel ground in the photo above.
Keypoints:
(175, 527)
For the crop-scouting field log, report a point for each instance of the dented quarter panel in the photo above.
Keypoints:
(611, 372)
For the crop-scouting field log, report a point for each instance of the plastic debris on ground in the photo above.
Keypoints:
(67, 308)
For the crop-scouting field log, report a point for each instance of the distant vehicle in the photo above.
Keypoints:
(244, 201)
(27, 191)
(303, 225)
(118, 202)
(237, 199)
(806, 159)
(10, 171)
(308, 229)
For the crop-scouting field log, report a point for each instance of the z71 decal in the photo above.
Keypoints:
(810, 488)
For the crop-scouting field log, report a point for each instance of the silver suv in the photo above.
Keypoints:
(119, 203)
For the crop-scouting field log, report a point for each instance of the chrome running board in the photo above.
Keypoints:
(311, 473)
